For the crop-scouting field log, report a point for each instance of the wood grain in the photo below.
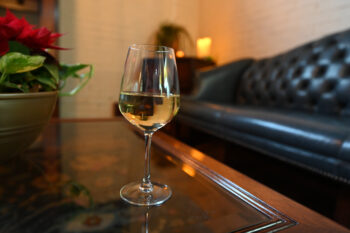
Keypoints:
(308, 220)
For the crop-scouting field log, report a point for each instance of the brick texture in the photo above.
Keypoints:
(255, 28)
(100, 32)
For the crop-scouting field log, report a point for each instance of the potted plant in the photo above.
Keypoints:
(30, 81)
(169, 35)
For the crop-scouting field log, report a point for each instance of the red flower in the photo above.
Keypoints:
(14, 29)
(11, 26)
(38, 38)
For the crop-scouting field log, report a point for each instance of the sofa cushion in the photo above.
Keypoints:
(328, 166)
(319, 143)
(345, 150)
(312, 78)
(319, 134)
(223, 80)
(294, 106)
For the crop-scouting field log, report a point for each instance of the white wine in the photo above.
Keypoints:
(148, 112)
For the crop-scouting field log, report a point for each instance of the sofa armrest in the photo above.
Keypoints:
(218, 85)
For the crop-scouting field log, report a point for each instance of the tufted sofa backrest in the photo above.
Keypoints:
(314, 78)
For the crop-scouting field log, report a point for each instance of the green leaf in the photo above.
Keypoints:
(25, 87)
(29, 76)
(67, 71)
(3, 77)
(45, 77)
(47, 81)
(12, 85)
(75, 190)
(53, 70)
(18, 47)
(14, 62)
(71, 71)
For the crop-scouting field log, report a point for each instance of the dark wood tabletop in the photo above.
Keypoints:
(307, 219)
(69, 181)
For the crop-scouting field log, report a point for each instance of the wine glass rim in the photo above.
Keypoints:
(152, 48)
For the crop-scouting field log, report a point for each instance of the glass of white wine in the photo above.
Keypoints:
(149, 99)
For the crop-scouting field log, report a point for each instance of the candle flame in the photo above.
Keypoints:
(203, 47)
(180, 53)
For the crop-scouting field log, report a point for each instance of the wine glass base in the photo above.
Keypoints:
(132, 194)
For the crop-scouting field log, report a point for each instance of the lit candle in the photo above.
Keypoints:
(180, 53)
(203, 47)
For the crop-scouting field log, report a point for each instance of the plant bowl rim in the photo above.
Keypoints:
(28, 95)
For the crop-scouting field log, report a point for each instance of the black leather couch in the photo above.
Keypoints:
(294, 106)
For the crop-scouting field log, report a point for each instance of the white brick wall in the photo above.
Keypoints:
(100, 32)
(259, 28)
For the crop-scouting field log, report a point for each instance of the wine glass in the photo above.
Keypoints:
(149, 99)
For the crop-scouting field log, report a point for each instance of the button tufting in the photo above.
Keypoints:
(345, 71)
(280, 74)
(276, 63)
(339, 55)
(331, 42)
(319, 71)
(313, 103)
(315, 78)
(329, 86)
(262, 63)
(293, 61)
(314, 58)
(264, 74)
(284, 85)
(303, 84)
(297, 72)
(250, 74)
(341, 105)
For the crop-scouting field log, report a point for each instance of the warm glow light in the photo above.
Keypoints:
(203, 47)
(169, 158)
(180, 53)
(197, 155)
(188, 170)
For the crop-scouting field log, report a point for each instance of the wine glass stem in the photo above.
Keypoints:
(146, 185)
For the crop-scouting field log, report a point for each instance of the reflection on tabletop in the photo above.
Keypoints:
(70, 182)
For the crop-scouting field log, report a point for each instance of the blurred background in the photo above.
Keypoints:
(99, 33)
(207, 33)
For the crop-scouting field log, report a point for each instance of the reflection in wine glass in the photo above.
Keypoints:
(149, 99)
(146, 223)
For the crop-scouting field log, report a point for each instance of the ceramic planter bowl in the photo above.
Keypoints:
(22, 117)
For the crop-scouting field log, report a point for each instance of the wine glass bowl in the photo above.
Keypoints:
(148, 111)
(149, 99)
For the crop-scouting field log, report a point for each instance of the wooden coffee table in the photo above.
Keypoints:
(69, 181)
